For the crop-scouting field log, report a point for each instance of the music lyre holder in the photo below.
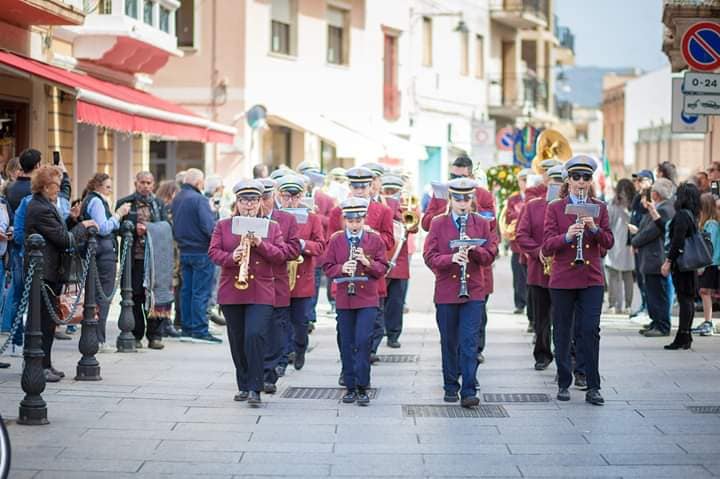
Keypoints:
(350, 279)
(459, 243)
(583, 209)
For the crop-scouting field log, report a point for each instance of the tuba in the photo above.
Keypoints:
(241, 281)
(292, 267)
(551, 144)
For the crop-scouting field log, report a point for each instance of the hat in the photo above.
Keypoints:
(461, 186)
(280, 172)
(359, 174)
(644, 174)
(376, 168)
(354, 207)
(525, 172)
(248, 188)
(339, 172)
(314, 177)
(392, 181)
(580, 164)
(549, 163)
(268, 185)
(306, 166)
(293, 184)
(557, 172)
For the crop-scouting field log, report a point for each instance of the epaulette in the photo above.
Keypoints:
(336, 233)
(438, 217)
(556, 200)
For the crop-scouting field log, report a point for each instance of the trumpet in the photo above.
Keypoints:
(292, 267)
(241, 281)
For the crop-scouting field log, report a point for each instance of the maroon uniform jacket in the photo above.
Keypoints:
(565, 274)
(337, 253)
(438, 256)
(324, 203)
(530, 239)
(514, 206)
(291, 248)
(402, 264)
(312, 233)
(261, 289)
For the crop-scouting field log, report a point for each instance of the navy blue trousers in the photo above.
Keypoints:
(459, 326)
(355, 327)
(394, 303)
(247, 328)
(297, 327)
(275, 340)
(584, 305)
(378, 331)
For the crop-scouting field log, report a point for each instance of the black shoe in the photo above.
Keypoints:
(299, 361)
(269, 388)
(362, 398)
(219, 320)
(311, 327)
(542, 365)
(291, 358)
(51, 377)
(470, 401)
(518, 310)
(374, 358)
(594, 397)
(56, 372)
(61, 335)
(241, 396)
(4, 365)
(563, 394)
(393, 343)
(254, 398)
(155, 344)
(350, 396)
(169, 331)
(530, 329)
(580, 381)
(206, 338)
(451, 397)
(480, 358)
(681, 341)
(655, 333)
(341, 380)
(280, 370)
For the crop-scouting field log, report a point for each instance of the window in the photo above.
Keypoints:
(185, 24)
(148, 12)
(464, 53)
(479, 56)
(131, 8)
(104, 7)
(427, 58)
(164, 19)
(337, 47)
(391, 94)
(282, 27)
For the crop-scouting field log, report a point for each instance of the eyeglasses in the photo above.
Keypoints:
(459, 197)
(359, 186)
(453, 176)
(249, 201)
(584, 176)
(289, 196)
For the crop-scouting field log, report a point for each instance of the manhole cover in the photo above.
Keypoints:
(704, 409)
(415, 410)
(398, 358)
(320, 393)
(515, 397)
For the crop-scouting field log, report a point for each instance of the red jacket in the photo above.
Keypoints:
(565, 274)
(529, 240)
(261, 289)
(513, 207)
(324, 203)
(291, 249)
(438, 257)
(401, 270)
(366, 293)
(312, 233)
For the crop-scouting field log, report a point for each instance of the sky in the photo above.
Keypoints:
(615, 33)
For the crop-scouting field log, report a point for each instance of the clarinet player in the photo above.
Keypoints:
(576, 281)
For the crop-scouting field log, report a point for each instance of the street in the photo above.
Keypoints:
(170, 413)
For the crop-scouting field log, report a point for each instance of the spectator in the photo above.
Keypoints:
(260, 171)
(95, 206)
(649, 241)
(643, 181)
(683, 225)
(620, 261)
(192, 227)
(709, 279)
(702, 180)
(43, 218)
(667, 170)
(166, 192)
(12, 169)
(714, 171)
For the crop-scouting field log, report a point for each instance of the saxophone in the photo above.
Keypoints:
(241, 281)
(292, 267)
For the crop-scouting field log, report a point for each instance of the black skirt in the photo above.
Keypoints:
(710, 278)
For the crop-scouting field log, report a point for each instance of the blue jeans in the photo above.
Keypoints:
(13, 296)
(355, 327)
(459, 332)
(198, 273)
(659, 301)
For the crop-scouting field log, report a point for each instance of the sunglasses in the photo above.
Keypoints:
(453, 176)
(578, 176)
(459, 197)
(358, 186)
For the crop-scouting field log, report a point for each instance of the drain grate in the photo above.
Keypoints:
(515, 397)
(704, 409)
(398, 358)
(319, 393)
(418, 410)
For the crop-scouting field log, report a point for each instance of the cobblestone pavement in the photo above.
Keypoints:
(170, 413)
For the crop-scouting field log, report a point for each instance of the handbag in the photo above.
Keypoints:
(697, 251)
(66, 299)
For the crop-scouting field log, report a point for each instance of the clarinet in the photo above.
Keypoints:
(353, 252)
(463, 268)
(579, 258)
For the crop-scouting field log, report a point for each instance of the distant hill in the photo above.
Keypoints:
(586, 84)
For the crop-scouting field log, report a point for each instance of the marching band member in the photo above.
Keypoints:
(459, 316)
(356, 252)
(529, 238)
(247, 288)
(576, 281)
(302, 286)
(290, 246)
(511, 213)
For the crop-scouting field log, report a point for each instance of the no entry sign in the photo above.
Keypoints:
(700, 46)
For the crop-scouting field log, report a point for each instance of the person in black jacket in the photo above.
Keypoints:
(44, 218)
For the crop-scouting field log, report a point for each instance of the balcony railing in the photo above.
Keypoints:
(563, 109)
(518, 92)
(159, 14)
(538, 8)
(564, 36)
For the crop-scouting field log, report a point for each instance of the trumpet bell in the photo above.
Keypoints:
(551, 144)
(241, 285)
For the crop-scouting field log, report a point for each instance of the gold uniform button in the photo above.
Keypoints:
(572, 246)
(297, 276)
(252, 276)
(454, 276)
(587, 261)
(587, 246)
(362, 286)
(257, 262)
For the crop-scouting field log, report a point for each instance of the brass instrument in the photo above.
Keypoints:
(410, 221)
(292, 267)
(547, 262)
(241, 281)
(551, 144)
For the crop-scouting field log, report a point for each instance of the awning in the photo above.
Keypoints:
(123, 108)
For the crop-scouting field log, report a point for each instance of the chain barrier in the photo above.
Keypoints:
(76, 302)
(23, 305)
(100, 291)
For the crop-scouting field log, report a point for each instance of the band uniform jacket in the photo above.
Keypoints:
(402, 263)
(313, 235)
(529, 240)
(379, 218)
(324, 204)
(438, 257)
(337, 253)
(513, 208)
(261, 282)
(290, 246)
(565, 274)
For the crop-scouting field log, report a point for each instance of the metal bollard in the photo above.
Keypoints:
(88, 368)
(126, 322)
(33, 409)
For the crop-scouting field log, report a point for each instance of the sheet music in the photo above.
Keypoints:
(553, 192)
(300, 214)
(242, 225)
(440, 189)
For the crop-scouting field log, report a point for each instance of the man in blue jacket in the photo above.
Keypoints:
(193, 225)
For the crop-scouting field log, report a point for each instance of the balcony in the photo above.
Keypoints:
(565, 51)
(512, 97)
(25, 13)
(520, 14)
(563, 109)
(131, 36)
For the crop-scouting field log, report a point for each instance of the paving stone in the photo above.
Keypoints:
(615, 471)
(300, 470)
(662, 459)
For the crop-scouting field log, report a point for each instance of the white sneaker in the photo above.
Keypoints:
(104, 348)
